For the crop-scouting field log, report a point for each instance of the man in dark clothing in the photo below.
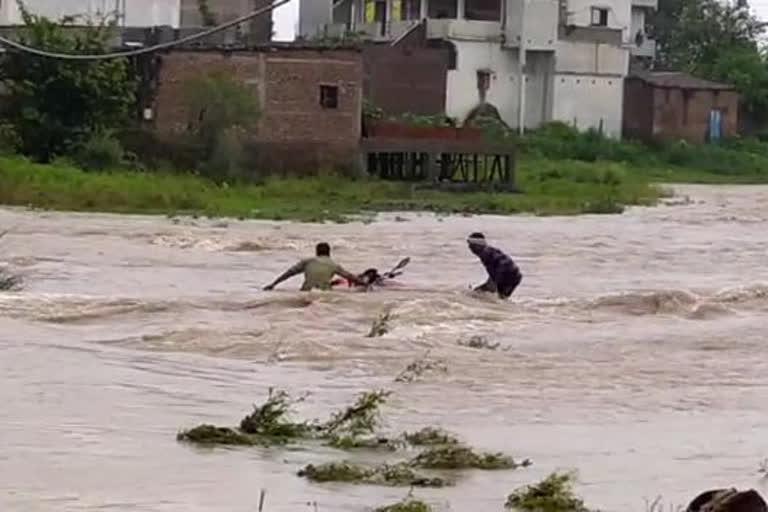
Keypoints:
(503, 274)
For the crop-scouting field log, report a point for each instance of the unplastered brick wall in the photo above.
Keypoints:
(685, 114)
(310, 103)
(313, 96)
(172, 114)
(304, 95)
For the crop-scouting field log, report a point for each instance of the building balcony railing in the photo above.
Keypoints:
(470, 30)
(388, 31)
(651, 4)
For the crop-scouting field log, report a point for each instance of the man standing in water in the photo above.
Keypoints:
(503, 273)
(318, 271)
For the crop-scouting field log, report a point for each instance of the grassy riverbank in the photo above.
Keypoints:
(551, 187)
(560, 171)
(737, 161)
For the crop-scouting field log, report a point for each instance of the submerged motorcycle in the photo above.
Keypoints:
(371, 277)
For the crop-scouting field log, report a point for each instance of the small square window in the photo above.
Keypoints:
(329, 96)
(599, 17)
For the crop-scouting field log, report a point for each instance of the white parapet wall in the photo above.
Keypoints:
(462, 92)
(589, 85)
(587, 101)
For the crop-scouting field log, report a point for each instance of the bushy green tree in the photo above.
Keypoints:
(221, 109)
(55, 105)
(691, 32)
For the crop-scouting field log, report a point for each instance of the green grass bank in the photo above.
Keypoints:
(550, 187)
(560, 171)
(735, 161)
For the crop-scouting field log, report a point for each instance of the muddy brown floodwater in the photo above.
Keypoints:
(635, 350)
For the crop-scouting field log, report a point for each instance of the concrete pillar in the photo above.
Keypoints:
(424, 9)
(388, 17)
(460, 9)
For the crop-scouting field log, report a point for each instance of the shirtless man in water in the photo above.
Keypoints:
(318, 271)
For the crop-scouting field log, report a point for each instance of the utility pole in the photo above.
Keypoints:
(522, 62)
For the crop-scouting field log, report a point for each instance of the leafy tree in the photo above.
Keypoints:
(692, 32)
(55, 105)
(220, 109)
(747, 69)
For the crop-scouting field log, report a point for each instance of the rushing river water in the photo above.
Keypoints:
(634, 350)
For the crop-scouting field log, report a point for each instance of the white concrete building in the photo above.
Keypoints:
(572, 55)
(133, 13)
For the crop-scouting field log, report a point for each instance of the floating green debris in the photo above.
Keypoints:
(402, 474)
(211, 434)
(268, 419)
(359, 419)
(420, 367)
(393, 475)
(407, 505)
(553, 494)
(430, 436)
(462, 457)
(335, 472)
(369, 443)
(264, 426)
(380, 325)
(352, 427)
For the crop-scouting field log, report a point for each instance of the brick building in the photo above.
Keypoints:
(408, 76)
(672, 105)
(310, 100)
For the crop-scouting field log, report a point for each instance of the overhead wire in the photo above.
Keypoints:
(150, 49)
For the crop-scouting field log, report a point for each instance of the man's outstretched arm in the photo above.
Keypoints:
(349, 276)
(298, 268)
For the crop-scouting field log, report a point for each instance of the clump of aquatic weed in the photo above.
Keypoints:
(380, 325)
(354, 426)
(264, 426)
(392, 475)
(211, 435)
(553, 494)
(420, 367)
(268, 419)
(462, 457)
(430, 436)
(406, 505)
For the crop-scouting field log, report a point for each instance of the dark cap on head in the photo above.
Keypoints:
(323, 249)
(476, 241)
